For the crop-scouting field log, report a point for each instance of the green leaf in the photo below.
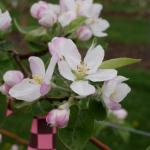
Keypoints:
(79, 130)
(39, 33)
(118, 62)
(74, 25)
(97, 110)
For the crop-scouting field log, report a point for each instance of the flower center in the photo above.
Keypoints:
(81, 70)
(38, 79)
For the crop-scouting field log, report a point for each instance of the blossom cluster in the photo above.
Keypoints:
(82, 74)
(67, 11)
(85, 76)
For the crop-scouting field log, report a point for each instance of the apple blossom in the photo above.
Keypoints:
(58, 117)
(5, 20)
(32, 89)
(14, 147)
(114, 91)
(84, 33)
(79, 71)
(38, 8)
(71, 9)
(11, 78)
(46, 13)
(120, 114)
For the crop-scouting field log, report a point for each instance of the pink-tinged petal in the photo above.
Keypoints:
(110, 86)
(13, 77)
(66, 18)
(37, 66)
(66, 5)
(4, 89)
(50, 70)
(44, 89)
(84, 7)
(58, 118)
(121, 91)
(48, 18)
(65, 48)
(120, 114)
(65, 70)
(82, 88)
(26, 90)
(37, 9)
(98, 26)
(93, 64)
(54, 8)
(96, 10)
(84, 33)
(102, 75)
(5, 21)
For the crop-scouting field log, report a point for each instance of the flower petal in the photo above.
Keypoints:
(99, 26)
(121, 92)
(50, 70)
(102, 75)
(37, 66)
(13, 77)
(66, 18)
(94, 58)
(66, 5)
(65, 48)
(82, 88)
(84, 7)
(96, 10)
(26, 90)
(65, 70)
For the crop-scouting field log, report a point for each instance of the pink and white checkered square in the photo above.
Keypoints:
(42, 136)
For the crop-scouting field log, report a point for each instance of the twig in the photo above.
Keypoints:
(13, 136)
(99, 144)
(27, 55)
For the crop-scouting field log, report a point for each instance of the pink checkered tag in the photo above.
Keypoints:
(42, 136)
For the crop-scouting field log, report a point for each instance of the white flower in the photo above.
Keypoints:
(79, 71)
(98, 26)
(114, 91)
(71, 9)
(5, 20)
(32, 89)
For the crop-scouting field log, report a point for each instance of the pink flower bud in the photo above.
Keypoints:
(38, 9)
(5, 20)
(121, 114)
(12, 77)
(84, 33)
(58, 117)
(48, 18)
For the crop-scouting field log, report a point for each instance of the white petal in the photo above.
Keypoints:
(65, 70)
(54, 8)
(66, 18)
(63, 47)
(37, 66)
(102, 75)
(84, 7)
(66, 5)
(83, 88)
(94, 58)
(121, 92)
(26, 90)
(50, 70)
(99, 26)
(96, 10)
